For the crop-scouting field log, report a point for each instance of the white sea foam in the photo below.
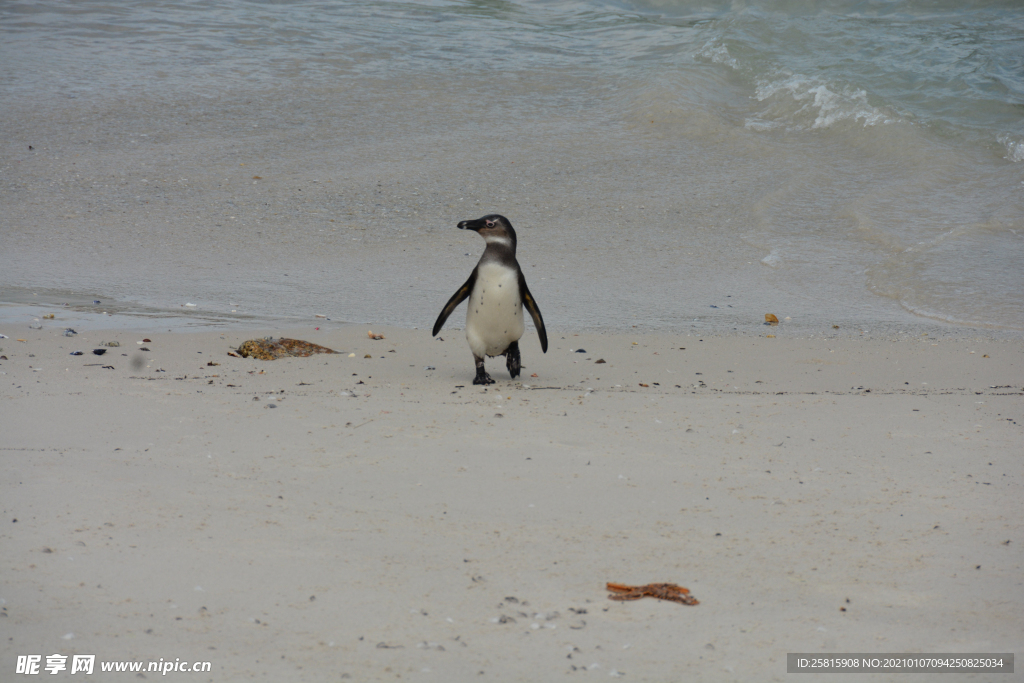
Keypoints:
(717, 53)
(773, 259)
(1014, 148)
(800, 101)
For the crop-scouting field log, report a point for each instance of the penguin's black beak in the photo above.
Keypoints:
(472, 225)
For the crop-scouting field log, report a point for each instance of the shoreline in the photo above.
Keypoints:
(385, 519)
(20, 308)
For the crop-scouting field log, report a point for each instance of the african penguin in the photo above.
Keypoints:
(497, 294)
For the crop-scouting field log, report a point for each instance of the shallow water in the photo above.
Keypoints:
(667, 165)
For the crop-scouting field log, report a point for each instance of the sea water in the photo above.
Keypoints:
(668, 165)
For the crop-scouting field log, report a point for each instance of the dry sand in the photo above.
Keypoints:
(372, 518)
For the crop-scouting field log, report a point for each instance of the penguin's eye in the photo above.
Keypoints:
(489, 224)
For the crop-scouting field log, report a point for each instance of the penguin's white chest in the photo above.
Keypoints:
(494, 318)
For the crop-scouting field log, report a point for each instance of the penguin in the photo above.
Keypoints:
(497, 294)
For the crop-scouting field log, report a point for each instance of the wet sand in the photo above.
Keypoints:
(381, 518)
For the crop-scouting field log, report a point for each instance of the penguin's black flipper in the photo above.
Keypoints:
(457, 298)
(531, 306)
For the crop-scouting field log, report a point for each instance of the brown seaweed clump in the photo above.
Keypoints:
(272, 349)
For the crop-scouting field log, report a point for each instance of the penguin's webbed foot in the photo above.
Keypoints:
(481, 375)
(512, 361)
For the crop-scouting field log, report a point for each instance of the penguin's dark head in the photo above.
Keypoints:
(493, 228)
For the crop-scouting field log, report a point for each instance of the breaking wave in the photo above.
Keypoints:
(799, 101)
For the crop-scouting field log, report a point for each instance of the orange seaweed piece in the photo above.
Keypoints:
(662, 591)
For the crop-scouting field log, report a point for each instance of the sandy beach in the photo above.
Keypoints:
(372, 515)
(177, 178)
